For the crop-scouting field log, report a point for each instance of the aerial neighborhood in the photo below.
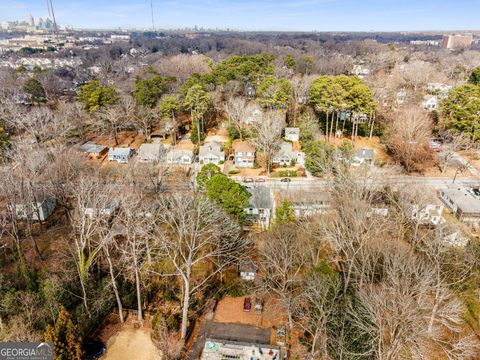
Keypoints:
(207, 194)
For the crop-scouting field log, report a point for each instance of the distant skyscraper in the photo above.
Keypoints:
(31, 21)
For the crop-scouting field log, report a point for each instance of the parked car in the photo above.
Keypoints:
(248, 180)
(247, 304)
(93, 350)
(260, 180)
(286, 180)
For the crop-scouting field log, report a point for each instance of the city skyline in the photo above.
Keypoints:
(266, 15)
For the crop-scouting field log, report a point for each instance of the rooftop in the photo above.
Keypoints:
(220, 349)
(150, 149)
(92, 147)
(119, 151)
(243, 146)
(365, 153)
(261, 197)
(465, 200)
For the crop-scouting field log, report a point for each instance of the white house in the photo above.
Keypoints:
(177, 156)
(360, 71)
(292, 134)
(363, 157)
(152, 152)
(430, 102)
(401, 97)
(286, 155)
(120, 155)
(39, 211)
(429, 215)
(211, 153)
(107, 209)
(247, 270)
(260, 206)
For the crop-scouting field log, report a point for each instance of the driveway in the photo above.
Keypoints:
(239, 332)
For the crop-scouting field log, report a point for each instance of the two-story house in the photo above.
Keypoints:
(244, 154)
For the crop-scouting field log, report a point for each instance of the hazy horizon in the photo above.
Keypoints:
(263, 15)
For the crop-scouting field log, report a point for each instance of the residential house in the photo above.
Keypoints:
(401, 97)
(247, 270)
(225, 349)
(462, 202)
(211, 153)
(438, 89)
(260, 206)
(253, 114)
(285, 156)
(430, 102)
(176, 156)
(363, 157)
(292, 134)
(120, 155)
(151, 152)
(106, 209)
(244, 154)
(36, 211)
(305, 203)
(360, 71)
(428, 215)
(94, 150)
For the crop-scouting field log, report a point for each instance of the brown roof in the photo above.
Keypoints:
(243, 146)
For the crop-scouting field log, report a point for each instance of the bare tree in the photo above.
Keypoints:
(236, 110)
(114, 118)
(92, 199)
(267, 135)
(282, 261)
(408, 139)
(193, 231)
(135, 218)
(147, 118)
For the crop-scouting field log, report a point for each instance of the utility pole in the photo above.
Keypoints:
(153, 21)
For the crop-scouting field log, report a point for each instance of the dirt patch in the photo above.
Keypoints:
(230, 310)
(130, 343)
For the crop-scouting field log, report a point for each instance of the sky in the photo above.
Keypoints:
(280, 15)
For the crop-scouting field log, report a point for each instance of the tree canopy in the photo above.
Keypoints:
(319, 157)
(34, 89)
(243, 68)
(148, 91)
(331, 93)
(230, 195)
(64, 336)
(274, 93)
(95, 95)
(461, 110)
(207, 172)
(475, 76)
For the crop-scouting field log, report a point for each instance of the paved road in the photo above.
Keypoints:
(313, 183)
